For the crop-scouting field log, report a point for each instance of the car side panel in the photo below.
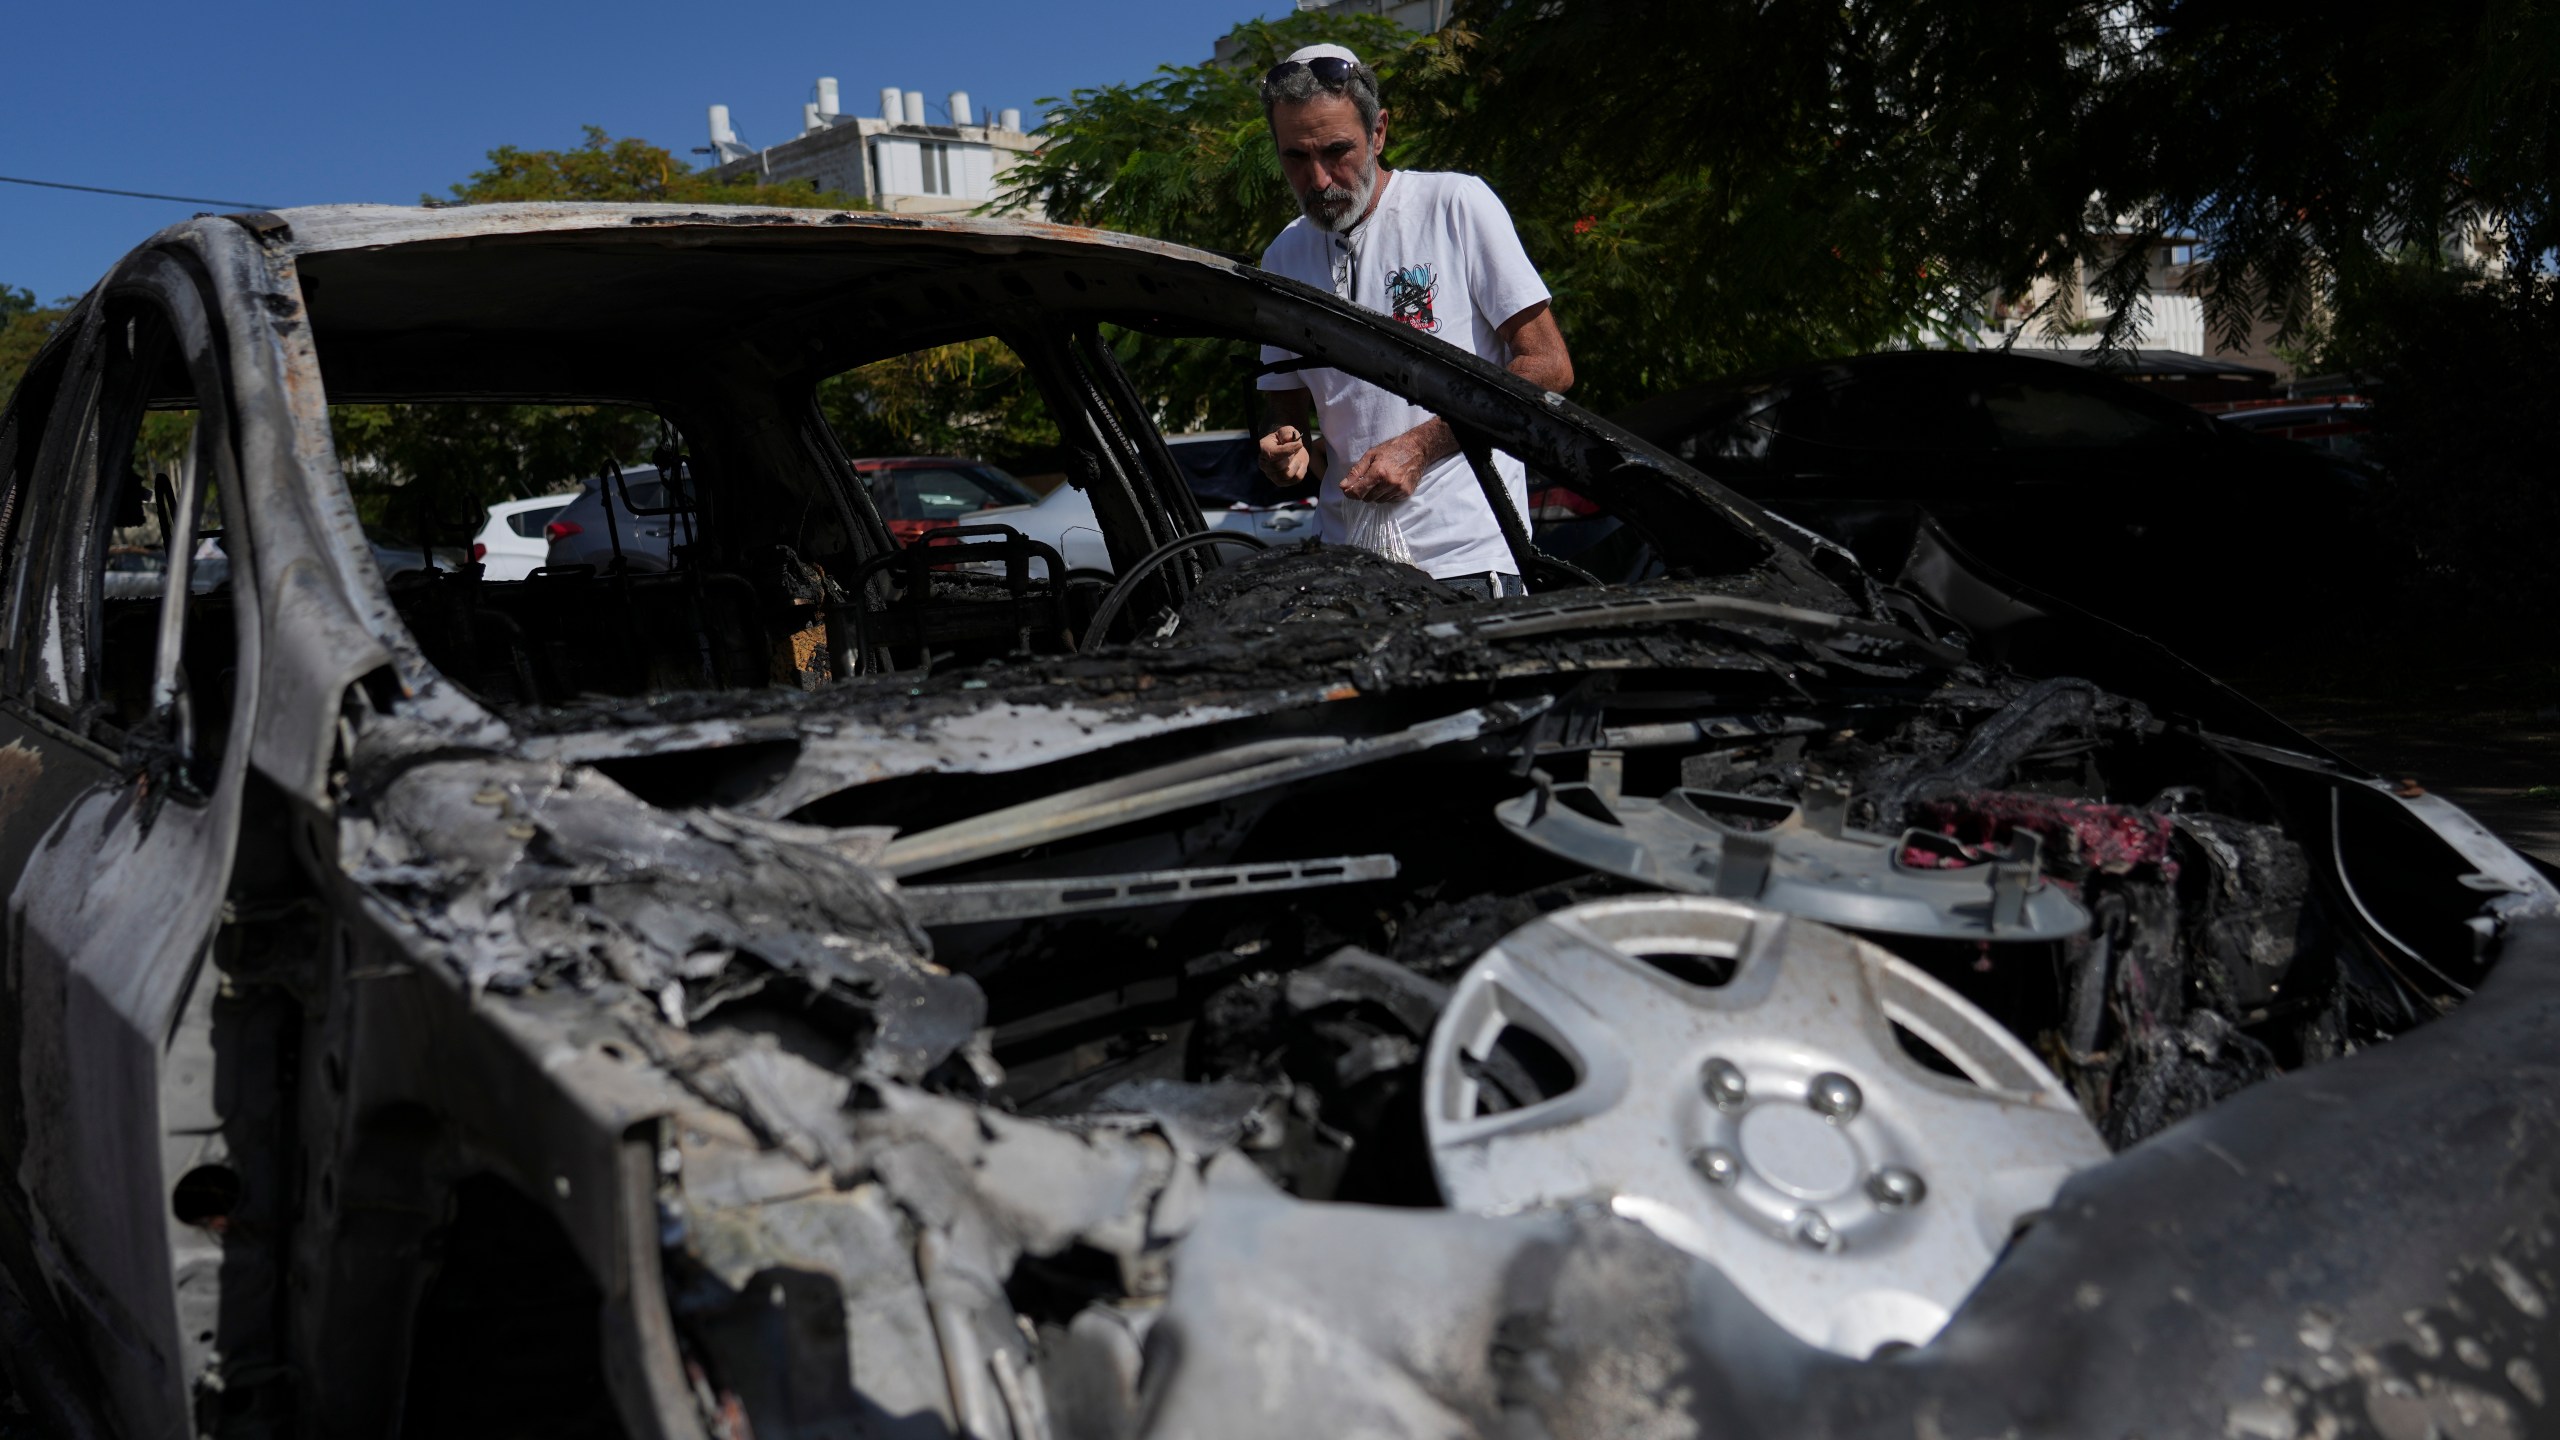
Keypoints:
(110, 923)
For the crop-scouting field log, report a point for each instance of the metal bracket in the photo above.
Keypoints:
(968, 903)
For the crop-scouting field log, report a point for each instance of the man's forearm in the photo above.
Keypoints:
(1434, 439)
(1544, 370)
(1540, 359)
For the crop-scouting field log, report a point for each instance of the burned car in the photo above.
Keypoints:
(819, 988)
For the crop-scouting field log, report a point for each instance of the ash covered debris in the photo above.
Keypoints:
(524, 873)
(1307, 583)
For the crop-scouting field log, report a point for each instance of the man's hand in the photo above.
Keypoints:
(1285, 457)
(1389, 472)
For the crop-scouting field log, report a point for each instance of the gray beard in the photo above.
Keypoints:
(1355, 198)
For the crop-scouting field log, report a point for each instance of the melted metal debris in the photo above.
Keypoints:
(524, 872)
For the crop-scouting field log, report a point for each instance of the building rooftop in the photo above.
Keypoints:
(902, 160)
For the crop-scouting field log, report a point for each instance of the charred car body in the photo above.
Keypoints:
(822, 989)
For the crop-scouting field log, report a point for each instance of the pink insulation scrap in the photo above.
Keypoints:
(2077, 834)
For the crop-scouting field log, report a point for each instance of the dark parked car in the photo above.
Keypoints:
(2084, 486)
(636, 518)
(803, 991)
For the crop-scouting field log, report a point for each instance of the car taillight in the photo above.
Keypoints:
(1555, 504)
(913, 529)
(562, 529)
(479, 552)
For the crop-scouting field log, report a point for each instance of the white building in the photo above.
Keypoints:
(901, 161)
(2170, 319)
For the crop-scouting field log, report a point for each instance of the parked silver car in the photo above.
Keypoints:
(1217, 466)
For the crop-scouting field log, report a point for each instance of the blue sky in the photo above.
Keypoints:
(296, 103)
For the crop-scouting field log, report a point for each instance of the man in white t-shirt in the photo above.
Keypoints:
(1436, 251)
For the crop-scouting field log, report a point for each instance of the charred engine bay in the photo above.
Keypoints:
(1392, 820)
(1296, 1024)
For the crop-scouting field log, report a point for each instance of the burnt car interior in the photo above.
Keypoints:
(780, 537)
(1286, 860)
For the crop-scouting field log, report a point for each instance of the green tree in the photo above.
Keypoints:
(1648, 262)
(24, 327)
(427, 473)
(1996, 145)
(972, 398)
(1185, 156)
(2320, 158)
(1714, 185)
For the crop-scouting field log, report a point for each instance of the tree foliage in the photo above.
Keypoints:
(2305, 149)
(1713, 185)
(973, 398)
(427, 473)
(1185, 156)
(25, 326)
(1662, 273)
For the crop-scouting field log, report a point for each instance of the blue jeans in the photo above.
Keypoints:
(1486, 585)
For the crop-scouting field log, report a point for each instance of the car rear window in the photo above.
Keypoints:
(1839, 409)
(529, 522)
(941, 494)
(2027, 416)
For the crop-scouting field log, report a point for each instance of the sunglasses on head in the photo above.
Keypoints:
(1331, 71)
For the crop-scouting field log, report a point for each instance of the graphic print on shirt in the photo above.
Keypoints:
(1410, 290)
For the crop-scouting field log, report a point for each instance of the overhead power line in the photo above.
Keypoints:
(135, 194)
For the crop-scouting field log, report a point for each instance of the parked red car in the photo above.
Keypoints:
(917, 493)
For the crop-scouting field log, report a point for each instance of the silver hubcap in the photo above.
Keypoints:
(1772, 1124)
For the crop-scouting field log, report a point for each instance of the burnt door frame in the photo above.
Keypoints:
(112, 916)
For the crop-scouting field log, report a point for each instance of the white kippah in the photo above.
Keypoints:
(1322, 52)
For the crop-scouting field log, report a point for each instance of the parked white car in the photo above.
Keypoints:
(512, 544)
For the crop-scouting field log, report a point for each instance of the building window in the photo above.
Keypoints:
(937, 167)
